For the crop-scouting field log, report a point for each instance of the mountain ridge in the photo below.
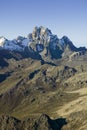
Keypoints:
(41, 44)
(40, 35)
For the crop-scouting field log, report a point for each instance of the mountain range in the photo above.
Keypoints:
(43, 43)
(43, 83)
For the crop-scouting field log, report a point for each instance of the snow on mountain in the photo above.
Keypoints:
(12, 46)
(2, 41)
(26, 42)
(9, 45)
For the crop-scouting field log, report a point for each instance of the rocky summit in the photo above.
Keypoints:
(43, 83)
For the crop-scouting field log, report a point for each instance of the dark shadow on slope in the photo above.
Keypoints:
(32, 74)
(47, 62)
(50, 63)
(57, 124)
(45, 122)
(31, 54)
(19, 55)
(3, 63)
(4, 76)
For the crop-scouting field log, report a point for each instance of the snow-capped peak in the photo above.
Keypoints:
(2, 41)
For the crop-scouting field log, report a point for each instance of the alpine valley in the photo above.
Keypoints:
(43, 83)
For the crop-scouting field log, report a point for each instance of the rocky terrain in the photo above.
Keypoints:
(43, 83)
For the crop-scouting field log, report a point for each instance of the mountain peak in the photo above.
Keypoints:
(66, 42)
(40, 31)
(66, 39)
(40, 41)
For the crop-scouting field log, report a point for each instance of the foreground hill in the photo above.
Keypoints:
(40, 123)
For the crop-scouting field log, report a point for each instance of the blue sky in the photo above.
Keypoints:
(63, 17)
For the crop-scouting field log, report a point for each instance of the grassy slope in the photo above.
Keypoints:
(56, 102)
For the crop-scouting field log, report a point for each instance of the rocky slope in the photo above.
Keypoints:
(42, 122)
(38, 74)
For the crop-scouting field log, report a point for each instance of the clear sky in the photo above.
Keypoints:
(63, 17)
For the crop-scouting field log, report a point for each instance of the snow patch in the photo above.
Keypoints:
(2, 41)
(12, 46)
(25, 42)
